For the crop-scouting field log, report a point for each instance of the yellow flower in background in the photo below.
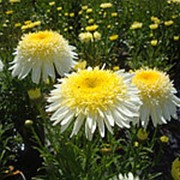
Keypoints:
(52, 3)
(59, 8)
(99, 98)
(176, 38)
(106, 5)
(5, 25)
(153, 26)
(24, 27)
(17, 24)
(37, 23)
(136, 25)
(157, 94)
(97, 35)
(168, 23)
(80, 65)
(84, 7)
(14, 1)
(28, 123)
(89, 10)
(66, 14)
(34, 93)
(114, 14)
(113, 37)
(30, 25)
(174, 16)
(92, 27)
(41, 53)
(136, 144)
(9, 12)
(156, 20)
(90, 21)
(151, 34)
(80, 12)
(175, 1)
(104, 14)
(142, 134)
(27, 22)
(71, 14)
(116, 68)
(164, 139)
(85, 37)
(175, 169)
(154, 42)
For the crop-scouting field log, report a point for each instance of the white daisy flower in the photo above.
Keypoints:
(42, 53)
(157, 94)
(97, 97)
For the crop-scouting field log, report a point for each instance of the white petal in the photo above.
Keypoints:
(16, 69)
(176, 101)
(94, 126)
(120, 120)
(65, 126)
(59, 114)
(130, 176)
(53, 106)
(48, 69)
(25, 71)
(67, 119)
(88, 133)
(101, 127)
(89, 121)
(77, 125)
(36, 73)
(109, 118)
(144, 115)
(108, 126)
(154, 117)
(166, 112)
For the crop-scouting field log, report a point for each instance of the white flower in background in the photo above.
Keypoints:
(129, 176)
(85, 37)
(42, 53)
(157, 94)
(1, 66)
(97, 97)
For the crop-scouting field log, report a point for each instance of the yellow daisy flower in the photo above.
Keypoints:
(97, 97)
(41, 52)
(157, 94)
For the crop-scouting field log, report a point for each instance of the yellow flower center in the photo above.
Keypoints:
(90, 90)
(152, 84)
(42, 44)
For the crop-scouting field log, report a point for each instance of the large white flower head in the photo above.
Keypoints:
(42, 53)
(157, 94)
(97, 97)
